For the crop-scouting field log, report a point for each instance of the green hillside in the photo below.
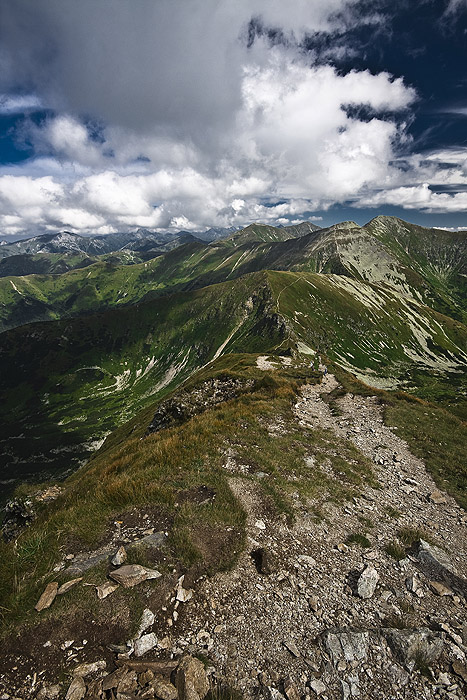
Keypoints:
(66, 384)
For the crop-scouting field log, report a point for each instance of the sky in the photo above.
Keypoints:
(185, 114)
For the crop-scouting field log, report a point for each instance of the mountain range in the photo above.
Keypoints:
(83, 351)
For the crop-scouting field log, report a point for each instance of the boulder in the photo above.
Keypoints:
(48, 597)
(133, 574)
(416, 647)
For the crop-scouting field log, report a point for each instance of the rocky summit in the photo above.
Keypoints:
(243, 479)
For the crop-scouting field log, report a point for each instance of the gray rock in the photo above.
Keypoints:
(318, 687)
(419, 647)
(347, 645)
(433, 556)
(291, 690)
(145, 644)
(133, 574)
(292, 647)
(48, 597)
(147, 619)
(366, 584)
(119, 557)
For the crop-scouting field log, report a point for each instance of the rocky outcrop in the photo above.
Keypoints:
(190, 403)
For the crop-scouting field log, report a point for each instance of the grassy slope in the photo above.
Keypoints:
(132, 472)
(382, 336)
(66, 383)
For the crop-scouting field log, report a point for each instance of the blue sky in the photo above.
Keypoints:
(186, 114)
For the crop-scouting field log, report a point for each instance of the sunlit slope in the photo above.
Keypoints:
(67, 383)
(374, 331)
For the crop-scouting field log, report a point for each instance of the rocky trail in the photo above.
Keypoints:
(307, 611)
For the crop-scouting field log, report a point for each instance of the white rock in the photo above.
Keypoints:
(318, 687)
(119, 557)
(366, 584)
(147, 619)
(145, 643)
(260, 525)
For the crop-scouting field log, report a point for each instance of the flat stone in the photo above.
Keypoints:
(366, 584)
(292, 647)
(119, 557)
(69, 584)
(346, 645)
(433, 556)
(105, 589)
(145, 644)
(133, 574)
(437, 497)
(48, 597)
(84, 670)
(460, 670)
(184, 594)
(260, 524)
(440, 588)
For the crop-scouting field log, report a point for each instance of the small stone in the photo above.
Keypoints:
(133, 574)
(308, 561)
(260, 524)
(437, 497)
(105, 589)
(48, 597)
(341, 547)
(460, 670)
(264, 560)
(291, 646)
(119, 557)
(366, 584)
(440, 588)
(290, 690)
(313, 603)
(184, 594)
(147, 619)
(69, 584)
(318, 687)
(145, 644)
